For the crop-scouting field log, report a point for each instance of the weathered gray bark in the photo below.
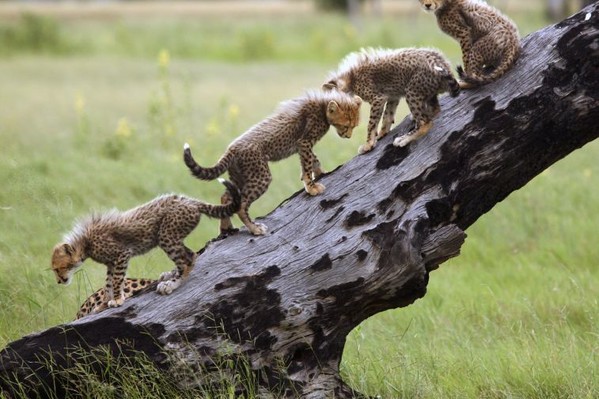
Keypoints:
(287, 300)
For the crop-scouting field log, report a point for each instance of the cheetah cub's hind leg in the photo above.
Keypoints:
(171, 280)
(170, 240)
(413, 135)
(388, 117)
(257, 179)
(226, 226)
(423, 112)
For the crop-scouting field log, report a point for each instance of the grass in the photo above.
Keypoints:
(98, 121)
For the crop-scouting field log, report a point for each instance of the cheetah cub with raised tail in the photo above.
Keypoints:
(489, 40)
(382, 77)
(114, 237)
(294, 128)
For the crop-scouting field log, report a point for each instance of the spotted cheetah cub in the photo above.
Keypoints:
(97, 301)
(489, 40)
(382, 77)
(114, 237)
(294, 128)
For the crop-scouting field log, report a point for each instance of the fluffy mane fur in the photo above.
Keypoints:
(294, 106)
(369, 55)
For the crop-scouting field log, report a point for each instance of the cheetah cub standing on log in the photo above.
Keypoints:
(382, 77)
(98, 301)
(112, 238)
(489, 40)
(294, 128)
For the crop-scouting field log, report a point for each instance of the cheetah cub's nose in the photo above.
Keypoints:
(428, 6)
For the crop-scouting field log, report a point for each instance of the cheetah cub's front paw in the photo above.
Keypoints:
(315, 188)
(167, 287)
(164, 276)
(258, 229)
(364, 148)
(115, 303)
(403, 140)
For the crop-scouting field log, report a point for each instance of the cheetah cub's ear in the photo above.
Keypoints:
(332, 107)
(330, 85)
(357, 100)
(66, 249)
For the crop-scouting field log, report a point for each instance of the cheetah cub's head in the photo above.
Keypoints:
(65, 261)
(431, 5)
(344, 114)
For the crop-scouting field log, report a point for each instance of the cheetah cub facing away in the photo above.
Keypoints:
(97, 301)
(489, 40)
(382, 77)
(294, 128)
(114, 237)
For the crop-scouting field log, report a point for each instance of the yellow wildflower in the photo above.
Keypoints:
(123, 128)
(79, 103)
(164, 59)
(233, 111)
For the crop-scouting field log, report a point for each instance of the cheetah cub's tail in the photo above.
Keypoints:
(452, 84)
(510, 56)
(226, 210)
(206, 173)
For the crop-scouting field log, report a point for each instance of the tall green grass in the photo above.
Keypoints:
(515, 316)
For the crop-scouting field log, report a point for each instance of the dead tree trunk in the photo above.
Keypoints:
(287, 301)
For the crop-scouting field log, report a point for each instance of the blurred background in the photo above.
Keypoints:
(98, 97)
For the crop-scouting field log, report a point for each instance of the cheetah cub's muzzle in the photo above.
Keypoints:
(428, 5)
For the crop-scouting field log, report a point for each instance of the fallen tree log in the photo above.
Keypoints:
(286, 301)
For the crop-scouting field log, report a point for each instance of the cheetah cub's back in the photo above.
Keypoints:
(382, 77)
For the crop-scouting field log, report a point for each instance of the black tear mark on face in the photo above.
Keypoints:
(263, 278)
(323, 263)
(327, 204)
(392, 156)
(357, 219)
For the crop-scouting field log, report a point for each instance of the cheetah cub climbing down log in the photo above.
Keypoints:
(294, 128)
(114, 237)
(489, 40)
(382, 77)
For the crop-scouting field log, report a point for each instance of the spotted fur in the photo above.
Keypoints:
(489, 40)
(294, 128)
(112, 238)
(382, 77)
(98, 301)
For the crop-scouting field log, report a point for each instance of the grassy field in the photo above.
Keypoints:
(94, 117)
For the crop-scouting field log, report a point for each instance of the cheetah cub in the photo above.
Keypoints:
(489, 40)
(382, 77)
(97, 301)
(294, 128)
(114, 237)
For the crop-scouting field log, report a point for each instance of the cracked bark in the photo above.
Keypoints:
(287, 301)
